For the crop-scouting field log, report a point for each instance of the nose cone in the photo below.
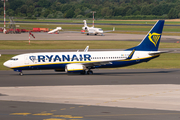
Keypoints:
(7, 64)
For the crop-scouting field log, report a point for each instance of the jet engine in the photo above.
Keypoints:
(84, 28)
(74, 68)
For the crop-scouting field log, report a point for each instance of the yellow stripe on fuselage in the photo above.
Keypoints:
(81, 62)
(54, 63)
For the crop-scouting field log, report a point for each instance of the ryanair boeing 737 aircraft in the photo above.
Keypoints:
(85, 61)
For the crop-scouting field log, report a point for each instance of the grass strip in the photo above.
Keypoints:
(4, 58)
(108, 21)
(69, 44)
(65, 44)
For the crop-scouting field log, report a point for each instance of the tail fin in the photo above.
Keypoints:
(85, 24)
(152, 39)
(86, 49)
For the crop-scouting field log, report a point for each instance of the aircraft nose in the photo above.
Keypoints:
(7, 64)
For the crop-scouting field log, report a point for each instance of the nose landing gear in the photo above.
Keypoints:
(20, 72)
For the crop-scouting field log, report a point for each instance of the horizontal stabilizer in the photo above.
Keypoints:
(160, 52)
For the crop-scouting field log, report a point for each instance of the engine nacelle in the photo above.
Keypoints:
(84, 28)
(74, 68)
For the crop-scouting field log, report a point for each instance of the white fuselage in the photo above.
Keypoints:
(93, 30)
(58, 60)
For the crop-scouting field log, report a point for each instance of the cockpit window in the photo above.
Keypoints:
(100, 30)
(14, 59)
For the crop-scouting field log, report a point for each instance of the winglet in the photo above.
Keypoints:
(86, 49)
(131, 55)
(85, 24)
(113, 28)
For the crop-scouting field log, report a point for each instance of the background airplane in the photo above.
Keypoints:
(85, 61)
(93, 30)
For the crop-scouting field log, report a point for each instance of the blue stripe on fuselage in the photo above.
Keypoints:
(62, 58)
(62, 65)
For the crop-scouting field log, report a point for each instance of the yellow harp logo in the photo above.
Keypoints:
(154, 38)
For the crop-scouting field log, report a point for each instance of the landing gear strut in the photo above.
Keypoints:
(21, 73)
(89, 72)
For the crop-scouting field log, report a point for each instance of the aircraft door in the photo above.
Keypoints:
(26, 59)
(137, 57)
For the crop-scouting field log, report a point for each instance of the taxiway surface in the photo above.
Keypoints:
(115, 94)
(78, 36)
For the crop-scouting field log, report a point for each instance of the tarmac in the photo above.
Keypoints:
(79, 36)
(108, 94)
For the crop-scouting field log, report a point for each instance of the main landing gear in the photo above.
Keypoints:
(20, 73)
(88, 72)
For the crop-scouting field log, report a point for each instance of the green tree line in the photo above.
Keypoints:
(109, 9)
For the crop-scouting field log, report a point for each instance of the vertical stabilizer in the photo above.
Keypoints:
(86, 49)
(85, 24)
(152, 39)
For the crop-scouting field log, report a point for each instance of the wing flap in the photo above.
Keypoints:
(91, 64)
(105, 62)
(98, 63)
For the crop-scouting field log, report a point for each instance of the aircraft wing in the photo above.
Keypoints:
(110, 30)
(88, 32)
(98, 63)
